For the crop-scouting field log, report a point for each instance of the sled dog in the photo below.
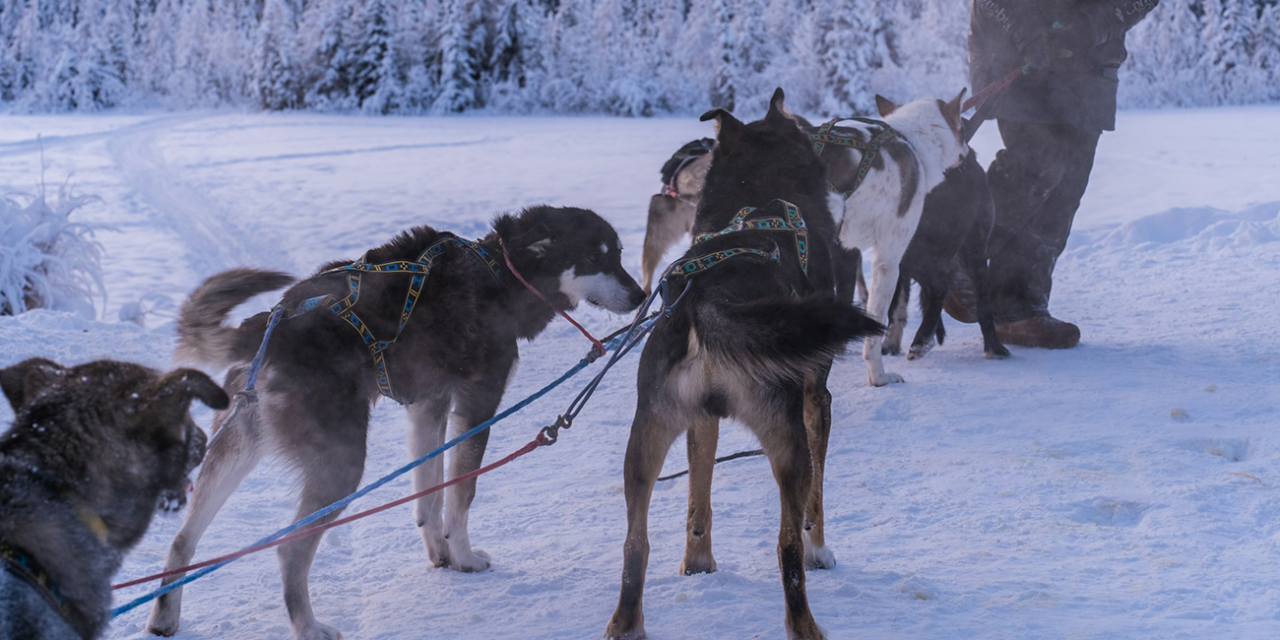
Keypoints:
(951, 241)
(449, 366)
(93, 452)
(671, 211)
(753, 327)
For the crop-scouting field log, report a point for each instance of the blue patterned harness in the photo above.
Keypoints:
(869, 149)
(345, 307)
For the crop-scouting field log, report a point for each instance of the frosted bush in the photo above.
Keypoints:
(46, 260)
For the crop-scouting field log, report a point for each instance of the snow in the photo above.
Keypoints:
(1123, 489)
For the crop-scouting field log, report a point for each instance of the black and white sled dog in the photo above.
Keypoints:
(950, 241)
(671, 211)
(94, 451)
(450, 364)
(752, 334)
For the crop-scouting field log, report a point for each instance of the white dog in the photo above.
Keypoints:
(881, 191)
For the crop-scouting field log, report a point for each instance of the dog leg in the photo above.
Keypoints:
(930, 332)
(669, 218)
(784, 441)
(817, 422)
(702, 440)
(234, 451)
(429, 420)
(884, 279)
(898, 305)
(646, 449)
(474, 407)
(975, 263)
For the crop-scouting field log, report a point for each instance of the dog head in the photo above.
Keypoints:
(942, 120)
(117, 435)
(764, 155)
(571, 255)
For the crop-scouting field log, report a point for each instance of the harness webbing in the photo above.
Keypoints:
(345, 307)
(794, 223)
(25, 568)
(869, 149)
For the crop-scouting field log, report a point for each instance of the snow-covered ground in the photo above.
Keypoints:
(1052, 495)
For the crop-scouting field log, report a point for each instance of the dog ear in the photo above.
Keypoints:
(728, 128)
(516, 233)
(951, 111)
(885, 106)
(24, 380)
(167, 400)
(777, 110)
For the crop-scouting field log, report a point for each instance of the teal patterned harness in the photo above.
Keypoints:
(25, 568)
(345, 307)
(869, 149)
(793, 224)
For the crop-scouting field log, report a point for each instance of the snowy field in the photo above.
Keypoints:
(1053, 495)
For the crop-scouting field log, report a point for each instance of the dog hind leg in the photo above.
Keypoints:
(234, 451)
(651, 437)
(930, 333)
(330, 452)
(974, 260)
(429, 420)
(817, 422)
(702, 440)
(898, 306)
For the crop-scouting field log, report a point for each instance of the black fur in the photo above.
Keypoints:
(93, 452)
(954, 229)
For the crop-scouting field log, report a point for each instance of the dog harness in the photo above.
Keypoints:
(793, 223)
(22, 565)
(345, 307)
(869, 149)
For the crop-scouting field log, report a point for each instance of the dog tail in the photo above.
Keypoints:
(780, 339)
(201, 335)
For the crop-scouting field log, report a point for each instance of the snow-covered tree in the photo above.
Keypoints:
(276, 77)
(369, 51)
(328, 85)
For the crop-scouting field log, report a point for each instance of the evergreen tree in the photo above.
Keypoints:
(369, 52)
(848, 56)
(331, 64)
(461, 50)
(723, 93)
(276, 78)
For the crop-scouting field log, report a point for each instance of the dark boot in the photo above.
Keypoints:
(1042, 331)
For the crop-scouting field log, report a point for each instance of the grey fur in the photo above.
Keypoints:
(93, 452)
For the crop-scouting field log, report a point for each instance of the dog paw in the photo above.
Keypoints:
(999, 352)
(171, 501)
(699, 564)
(469, 561)
(918, 351)
(885, 379)
(161, 630)
(819, 558)
(316, 630)
(624, 627)
(891, 349)
(805, 630)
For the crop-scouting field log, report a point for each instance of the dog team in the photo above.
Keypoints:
(757, 308)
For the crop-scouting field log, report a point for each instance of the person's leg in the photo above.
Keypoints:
(1036, 184)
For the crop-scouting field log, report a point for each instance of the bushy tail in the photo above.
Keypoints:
(780, 339)
(201, 335)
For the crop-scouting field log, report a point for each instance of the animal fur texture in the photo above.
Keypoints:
(449, 368)
(94, 451)
(750, 338)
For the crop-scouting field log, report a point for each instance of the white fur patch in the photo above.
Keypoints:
(598, 289)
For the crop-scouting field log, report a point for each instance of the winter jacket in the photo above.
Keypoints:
(1075, 46)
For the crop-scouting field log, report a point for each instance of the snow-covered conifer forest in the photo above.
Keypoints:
(627, 57)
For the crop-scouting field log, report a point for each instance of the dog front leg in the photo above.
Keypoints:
(467, 457)
(702, 439)
(884, 280)
(428, 422)
(646, 450)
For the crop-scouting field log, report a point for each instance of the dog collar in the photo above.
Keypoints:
(22, 565)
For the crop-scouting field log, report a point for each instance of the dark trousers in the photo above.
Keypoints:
(1036, 182)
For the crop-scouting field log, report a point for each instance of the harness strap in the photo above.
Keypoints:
(793, 223)
(869, 149)
(23, 566)
(344, 308)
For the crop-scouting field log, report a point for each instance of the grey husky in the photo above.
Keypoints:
(450, 364)
(93, 452)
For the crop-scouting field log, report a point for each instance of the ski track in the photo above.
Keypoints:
(1054, 495)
